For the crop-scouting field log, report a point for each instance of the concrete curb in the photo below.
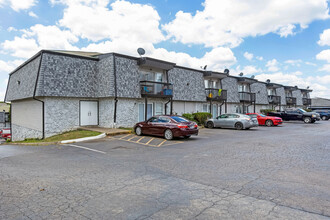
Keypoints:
(119, 133)
(83, 139)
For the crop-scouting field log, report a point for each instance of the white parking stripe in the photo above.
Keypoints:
(86, 148)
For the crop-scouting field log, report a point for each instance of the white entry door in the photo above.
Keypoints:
(88, 113)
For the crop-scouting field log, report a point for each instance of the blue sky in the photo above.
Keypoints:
(287, 41)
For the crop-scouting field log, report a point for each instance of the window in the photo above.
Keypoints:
(159, 109)
(205, 107)
(223, 116)
(153, 119)
(271, 92)
(142, 112)
(164, 120)
(243, 88)
(179, 119)
(253, 116)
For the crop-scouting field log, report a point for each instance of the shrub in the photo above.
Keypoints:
(265, 111)
(201, 117)
(188, 116)
(308, 110)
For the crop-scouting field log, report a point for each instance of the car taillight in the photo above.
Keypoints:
(182, 126)
(196, 126)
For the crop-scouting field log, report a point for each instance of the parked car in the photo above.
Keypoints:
(296, 114)
(6, 133)
(324, 114)
(233, 120)
(167, 126)
(266, 120)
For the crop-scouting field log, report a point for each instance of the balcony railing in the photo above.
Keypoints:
(216, 94)
(291, 101)
(156, 89)
(274, 99)
(247, 97)
(307, 101)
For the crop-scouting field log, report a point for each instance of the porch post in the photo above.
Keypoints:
(171, 106)
(145, 108)
(226, 106)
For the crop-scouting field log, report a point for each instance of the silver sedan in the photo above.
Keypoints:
(233, 120)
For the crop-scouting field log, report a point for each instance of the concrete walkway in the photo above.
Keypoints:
(107, 131)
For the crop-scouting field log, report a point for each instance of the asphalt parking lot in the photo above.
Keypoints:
(262, 173)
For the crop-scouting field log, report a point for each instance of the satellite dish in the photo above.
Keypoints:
(268, 80)
(226, 71)
(307, 87)
(296, 87)
(141, 51)
(205, 67)
(252, 77)
(241, 74)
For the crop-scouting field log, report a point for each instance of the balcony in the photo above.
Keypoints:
(247, 97)
(156, 89)
(307, 101)
(273, 99)
(291, 101)
(216, 94)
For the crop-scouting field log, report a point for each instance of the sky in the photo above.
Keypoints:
(286, 41)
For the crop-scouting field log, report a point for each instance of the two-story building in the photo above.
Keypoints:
(58, 91)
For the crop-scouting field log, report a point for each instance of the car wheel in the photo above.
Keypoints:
(307, 120)
(324, 118)
(138, 131)
(239, 126)
(313, 121)
(186, 137)
(269, 123)
(210, 124)
(168, 134)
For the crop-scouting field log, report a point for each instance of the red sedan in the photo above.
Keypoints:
(266, 120)
(167, 126)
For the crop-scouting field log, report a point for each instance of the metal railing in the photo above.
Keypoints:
(216, 94)
(307, 101)
(291, 101)
(274, 99)
(156, 89)
(247, 96)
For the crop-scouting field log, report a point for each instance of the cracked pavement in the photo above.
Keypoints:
(263, 173)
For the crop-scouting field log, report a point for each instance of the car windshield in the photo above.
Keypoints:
(179, 119)
(245, 116)
(302, 110)
(262, 115)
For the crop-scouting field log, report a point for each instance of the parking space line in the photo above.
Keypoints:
(125, 136)
(86, 148)
(161, 143)
(149, 141)
(139, 140)
(132, 138)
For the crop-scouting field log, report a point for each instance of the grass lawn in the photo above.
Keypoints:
(64, 136)
(123, 128)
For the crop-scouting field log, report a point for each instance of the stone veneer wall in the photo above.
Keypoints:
(230, 84)
(106, 109)
(297, 94)
(65, 76)
(61, 115)
(27, 76)
(20, 133)
(105, 77)
(281, 92)
(188, 85)
(260, 90)
(128, 78)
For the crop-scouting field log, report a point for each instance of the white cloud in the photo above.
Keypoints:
(39, 37)
(310, 63)
(272, 65)
(9, 66)
(94, 21)
(247, 70)
(10, 29)
(259, 58)
(217, 59)
(32, 14)
(18, 5)
(227, 22)
(325, 68)
(248, 56)
(324, 38)
(294, 62)
(324, 55)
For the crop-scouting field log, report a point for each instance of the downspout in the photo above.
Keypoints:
(115, 85)
(43, 103)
